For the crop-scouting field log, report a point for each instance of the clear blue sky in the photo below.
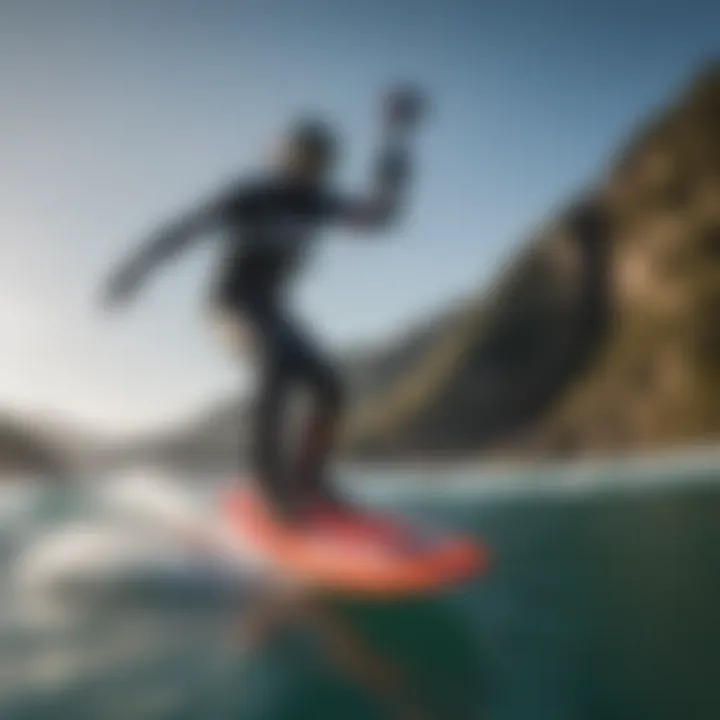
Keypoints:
(116, 114)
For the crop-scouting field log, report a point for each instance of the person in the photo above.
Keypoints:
(268, 224)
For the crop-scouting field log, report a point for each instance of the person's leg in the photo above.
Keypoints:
(318, 433)
(317, 442)
(286, 358)
(266, 455)
(256, 332)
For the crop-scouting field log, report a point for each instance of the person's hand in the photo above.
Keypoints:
(404, 107)
(121, 287)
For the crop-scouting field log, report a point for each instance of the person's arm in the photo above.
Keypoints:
(162, 245)
(393, 168)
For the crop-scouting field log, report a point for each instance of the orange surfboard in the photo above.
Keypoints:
(354, 551)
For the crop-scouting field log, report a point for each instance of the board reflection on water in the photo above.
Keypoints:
(602, 604)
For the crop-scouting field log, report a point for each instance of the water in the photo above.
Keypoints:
(602, 605)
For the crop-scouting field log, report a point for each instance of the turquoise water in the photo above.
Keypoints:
(603, 604)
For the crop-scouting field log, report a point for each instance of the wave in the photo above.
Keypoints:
(149, 538)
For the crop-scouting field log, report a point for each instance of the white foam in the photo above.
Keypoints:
(154, 532)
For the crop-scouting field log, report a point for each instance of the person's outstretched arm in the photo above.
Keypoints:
(403, 109)
(162, 245)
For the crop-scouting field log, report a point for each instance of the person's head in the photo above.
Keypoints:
(308, 151)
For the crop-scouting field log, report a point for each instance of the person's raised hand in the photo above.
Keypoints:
(404, 106)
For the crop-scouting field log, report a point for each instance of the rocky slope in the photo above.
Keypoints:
(656, 383)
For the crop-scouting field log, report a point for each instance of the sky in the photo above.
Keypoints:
(116, 115)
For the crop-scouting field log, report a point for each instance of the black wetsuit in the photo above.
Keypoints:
(271, 224)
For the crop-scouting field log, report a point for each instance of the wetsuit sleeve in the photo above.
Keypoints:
(173, 237)
(382, 205)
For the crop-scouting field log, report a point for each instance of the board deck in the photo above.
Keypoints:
(356, 551)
